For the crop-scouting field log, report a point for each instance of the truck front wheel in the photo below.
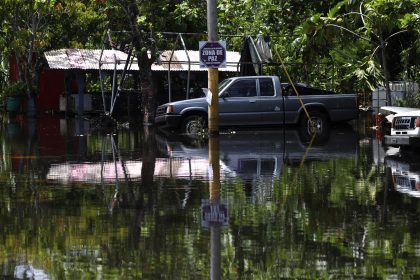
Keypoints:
(193, 125)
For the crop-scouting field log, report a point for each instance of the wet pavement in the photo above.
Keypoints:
(134, 203)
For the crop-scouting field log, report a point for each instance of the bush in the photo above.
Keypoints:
(15, 89)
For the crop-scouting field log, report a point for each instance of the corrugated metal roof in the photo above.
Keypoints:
(179, 61)
(84, 59)
(87, 59)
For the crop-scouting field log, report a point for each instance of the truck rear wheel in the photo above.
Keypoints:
(316, 127)
(193, 125)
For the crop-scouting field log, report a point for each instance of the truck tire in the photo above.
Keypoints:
(318, 132)
(193, 125)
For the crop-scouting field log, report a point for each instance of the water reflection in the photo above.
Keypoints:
(214, 212)
(258, 158)
(29, 272)
(128, 204)
(404, 169)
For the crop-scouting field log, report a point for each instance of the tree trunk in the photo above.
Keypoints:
(386, 72)
(148, 96)
(148, 88)
(29, 79)
(148, 156)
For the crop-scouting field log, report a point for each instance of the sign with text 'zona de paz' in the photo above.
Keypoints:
(212, 54)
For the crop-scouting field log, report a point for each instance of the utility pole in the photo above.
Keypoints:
(213, 73)
(213, 130)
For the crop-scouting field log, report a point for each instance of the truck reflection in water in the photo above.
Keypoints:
(405, 173)
(26, 271)
(257, 157)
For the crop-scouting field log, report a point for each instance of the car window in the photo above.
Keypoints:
(266, 87)
(223, 84)
(268, 166)
(242, 88)
(248, 166)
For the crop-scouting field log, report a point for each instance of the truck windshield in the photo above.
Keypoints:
(223, 84)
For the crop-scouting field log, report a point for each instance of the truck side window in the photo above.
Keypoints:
(266, 87)
(242, 88)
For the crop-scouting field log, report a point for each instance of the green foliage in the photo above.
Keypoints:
(347, 33)
(15, 89)
(354, 34)
(32, 27)
(78, 24)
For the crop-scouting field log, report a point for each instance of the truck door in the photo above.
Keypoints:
(239, 103)
(270, 102)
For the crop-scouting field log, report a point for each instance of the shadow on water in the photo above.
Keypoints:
(136, 203)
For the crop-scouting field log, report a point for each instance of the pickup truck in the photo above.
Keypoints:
(261, 101)
(405, 129)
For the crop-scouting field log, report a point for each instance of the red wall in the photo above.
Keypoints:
(13, 69)
(51, 86)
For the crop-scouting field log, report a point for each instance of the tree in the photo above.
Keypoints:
(146, 20)
(31, 27)
(386, 28)
(23, 26)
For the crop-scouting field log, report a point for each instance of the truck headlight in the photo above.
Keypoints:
(169, 109)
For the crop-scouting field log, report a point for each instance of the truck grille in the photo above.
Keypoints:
(405, 182)
(161, 110)
(405, 123)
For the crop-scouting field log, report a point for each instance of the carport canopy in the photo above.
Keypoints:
(90, 59)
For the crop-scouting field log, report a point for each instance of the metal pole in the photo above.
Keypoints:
(100, 71)
(169, 69)
(114, 78)
(213, 73)
(187, 95)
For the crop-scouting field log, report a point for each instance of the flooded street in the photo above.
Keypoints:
(79, 203)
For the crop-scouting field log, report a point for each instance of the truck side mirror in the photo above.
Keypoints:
(225, 94)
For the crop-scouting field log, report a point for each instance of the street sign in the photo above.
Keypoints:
(212, 54)
(214, 213)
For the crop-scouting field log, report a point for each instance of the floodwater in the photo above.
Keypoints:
(79, 203)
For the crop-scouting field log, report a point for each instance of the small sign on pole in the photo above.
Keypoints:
(212, 54)
(214, 213)
(208, 94)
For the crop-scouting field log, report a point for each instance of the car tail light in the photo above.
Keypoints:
(418, 122)
(393, 123)
(169, 109)
(418, 186)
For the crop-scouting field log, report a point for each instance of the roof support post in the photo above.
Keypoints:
(169, 69)
(100, 71)
(187, 95)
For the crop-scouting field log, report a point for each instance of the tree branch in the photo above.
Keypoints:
(348, 30)
(357, 13)
(394, 34)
